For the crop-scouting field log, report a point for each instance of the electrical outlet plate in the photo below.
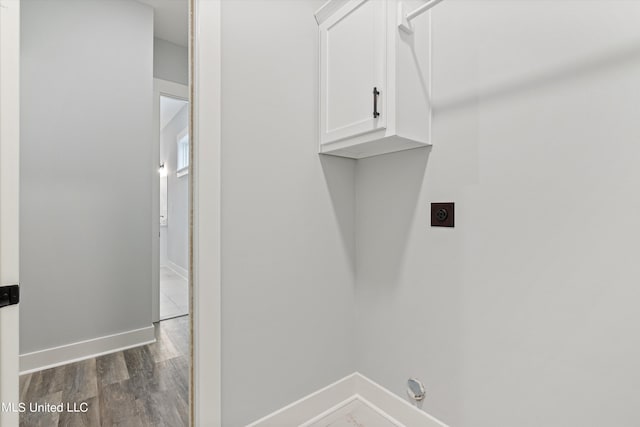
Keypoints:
(443, 214)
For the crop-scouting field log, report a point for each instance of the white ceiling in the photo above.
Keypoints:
(171, 20)
(169, 107)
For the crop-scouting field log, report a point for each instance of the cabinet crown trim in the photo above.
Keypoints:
(328, 9)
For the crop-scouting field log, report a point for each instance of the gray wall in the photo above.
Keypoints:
(177, 230)
(287, 217)
(85, 204)
(526, 313)
(170, 61)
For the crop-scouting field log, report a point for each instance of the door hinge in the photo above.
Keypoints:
(9, 295)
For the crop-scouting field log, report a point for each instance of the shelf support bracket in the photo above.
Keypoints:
(404, 19)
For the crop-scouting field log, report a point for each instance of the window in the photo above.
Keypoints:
(183, 153)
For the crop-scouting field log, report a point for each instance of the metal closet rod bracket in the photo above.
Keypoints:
(404, 18)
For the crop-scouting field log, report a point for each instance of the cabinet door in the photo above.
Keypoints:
(353, 63)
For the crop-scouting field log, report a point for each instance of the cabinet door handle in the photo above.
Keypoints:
(375, 103)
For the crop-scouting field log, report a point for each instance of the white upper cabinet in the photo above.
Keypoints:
(353, 53)
(373, 79)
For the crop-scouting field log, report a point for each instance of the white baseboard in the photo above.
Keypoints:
(57, 356)
(353, 387)
(308, 407)
(393, 405)
(177, 269)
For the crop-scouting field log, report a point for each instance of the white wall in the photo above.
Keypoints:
(170, 61)
(163, 246)
(177, 229)
(287, 217)
(526, 313)
(86, 102)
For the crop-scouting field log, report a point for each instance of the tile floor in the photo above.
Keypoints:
(354, 414)
(174, 294)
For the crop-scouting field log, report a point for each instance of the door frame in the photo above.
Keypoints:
(205, 218)
(178, 91)
(9, 203)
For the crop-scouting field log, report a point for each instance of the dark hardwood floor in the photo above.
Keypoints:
(143, 386)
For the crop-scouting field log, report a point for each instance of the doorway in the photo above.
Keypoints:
(205, 51)
(174, 207)
(86, 266)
